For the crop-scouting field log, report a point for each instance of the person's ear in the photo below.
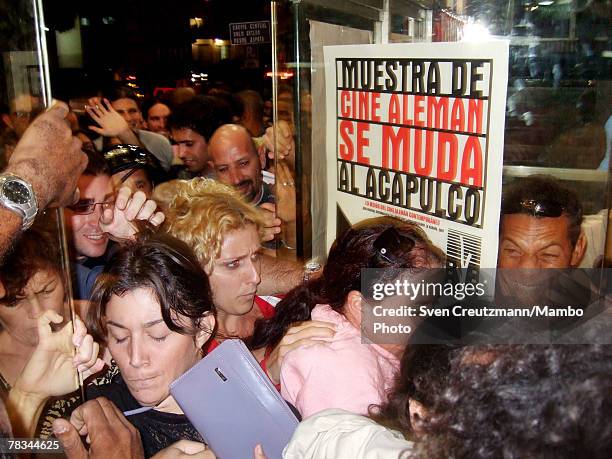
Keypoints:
(6, 119)
(211, 165)
(207, 326)
(352, 308)
(579, 249)
(2, 290)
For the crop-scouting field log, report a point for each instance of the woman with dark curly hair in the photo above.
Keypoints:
(37, 366)
(510, 401)
(343, 372)
(523, 401)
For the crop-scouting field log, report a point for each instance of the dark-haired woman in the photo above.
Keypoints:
(152, 308)
(343, 372)
(36, 366)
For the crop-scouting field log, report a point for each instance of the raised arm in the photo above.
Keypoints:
(50, 160)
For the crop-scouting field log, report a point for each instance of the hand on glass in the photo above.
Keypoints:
(50, 158)
(272, 224)
(285, 192)
(284, 141)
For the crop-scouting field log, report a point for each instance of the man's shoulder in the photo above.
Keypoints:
(158, 145)
(154, 141)
(148, 136)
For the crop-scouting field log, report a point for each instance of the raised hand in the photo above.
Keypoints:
(50, 158)
(111, 123)
(120, 222)
(50, 371)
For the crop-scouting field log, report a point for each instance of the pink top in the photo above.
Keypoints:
(339, 373)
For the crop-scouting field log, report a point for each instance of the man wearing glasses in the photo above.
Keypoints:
(99, 216)
(540, 225)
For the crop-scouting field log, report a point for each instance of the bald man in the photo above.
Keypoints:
(235, 162)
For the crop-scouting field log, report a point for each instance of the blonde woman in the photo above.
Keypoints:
(225, 233)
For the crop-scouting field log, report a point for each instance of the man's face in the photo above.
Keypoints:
(157, 119)
(191, 148)
(130, 112)
(87, 237)
(237, 164)
(537, 242)
(236, 273)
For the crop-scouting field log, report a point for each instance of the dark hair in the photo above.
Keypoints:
(150, 102)
(126, 157)
(524, 401)
(252, 101)
(37, 250)
(96, 165)
(122, 92)
(203, 114)
(543, 196)
(232, 101)
(164, 265)
(352, 251)
(423, 377)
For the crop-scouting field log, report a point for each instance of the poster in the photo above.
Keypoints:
(416, 131)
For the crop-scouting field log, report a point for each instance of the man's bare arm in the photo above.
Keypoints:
(50, 159)
(279, 276)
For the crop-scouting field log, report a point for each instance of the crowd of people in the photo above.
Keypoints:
(173, 230)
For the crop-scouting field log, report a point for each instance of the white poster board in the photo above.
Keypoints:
(416, 131)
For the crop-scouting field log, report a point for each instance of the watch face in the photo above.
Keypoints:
(16, 192)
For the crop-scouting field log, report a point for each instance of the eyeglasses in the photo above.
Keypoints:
(88, 207)
(391, 248)
(534, 207)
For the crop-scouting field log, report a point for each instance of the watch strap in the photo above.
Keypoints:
(27, 211)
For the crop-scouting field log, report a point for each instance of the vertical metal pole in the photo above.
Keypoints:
(274, 77)
(45, 82)
(297, 115)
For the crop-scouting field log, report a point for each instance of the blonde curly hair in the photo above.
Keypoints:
(201, 212)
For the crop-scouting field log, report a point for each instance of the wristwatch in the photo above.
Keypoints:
(18, 196)
(310, 268)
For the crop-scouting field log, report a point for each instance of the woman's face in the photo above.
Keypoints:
(236, 273)
(150, 355)
(19, 319)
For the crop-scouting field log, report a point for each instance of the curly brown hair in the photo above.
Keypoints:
(523, 401)
(37, 250)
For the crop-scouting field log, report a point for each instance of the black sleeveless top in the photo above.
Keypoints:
(158, 430)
